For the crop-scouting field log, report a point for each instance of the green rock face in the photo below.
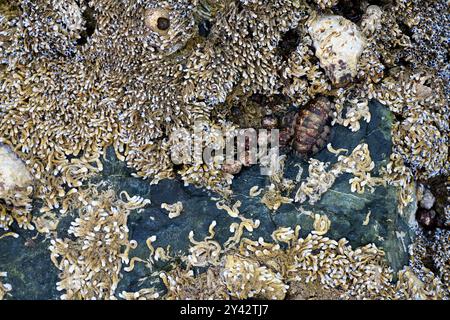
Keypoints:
(33, 276)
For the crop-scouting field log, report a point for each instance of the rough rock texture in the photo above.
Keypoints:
(33, 276)
(338, 44)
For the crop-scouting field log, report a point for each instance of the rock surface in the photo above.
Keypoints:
(33, 276)
(338, 44)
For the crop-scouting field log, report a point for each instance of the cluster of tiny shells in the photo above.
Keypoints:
(70, 88)
(260, 269)
(91, 262)
(359, 163)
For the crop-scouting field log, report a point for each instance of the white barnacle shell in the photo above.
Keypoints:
(371, 21)
(13, 173)
(338, 44)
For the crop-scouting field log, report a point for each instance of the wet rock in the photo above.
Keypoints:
(33, 276)
(30, 271)
(348, 211)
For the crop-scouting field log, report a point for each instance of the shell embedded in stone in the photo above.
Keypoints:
(157, 20)
(338, 44)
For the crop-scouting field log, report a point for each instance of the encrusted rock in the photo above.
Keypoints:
(13, 173)
(338, 44)
(157, 20)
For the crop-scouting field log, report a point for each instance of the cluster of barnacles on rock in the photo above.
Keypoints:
(77, 77)
(267, 270)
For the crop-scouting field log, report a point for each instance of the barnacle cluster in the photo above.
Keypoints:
(277, 193)
(128, 74)
(77, 77)
(91, 260)
(174, 210)
(263, 269)
(421, 138)
(358, 163)
(432, 251)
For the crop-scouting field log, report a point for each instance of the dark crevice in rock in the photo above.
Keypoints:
(438, 188)
(288, 43)
(380, 3)
(349, 9)
(405, 29)
(204, 28)
(91, 24)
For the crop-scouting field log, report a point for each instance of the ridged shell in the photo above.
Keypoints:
(312, 128)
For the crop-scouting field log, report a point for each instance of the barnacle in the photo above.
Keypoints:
(359, 163)
(326, 3)
(143, 294)
(414, 288)
(46, 223)
(182, 284)
(317, 183)
(233, 211)
(78, 77)
(155, 254)
(90, 264)
(397, 174)
(255, 191)
(273, 199)
(238, 230)
(4, 287)
(174, 210)
(246, 278)
(321, 224)
(204, 252)
(266, 270)
(277, 193)
(350, 108)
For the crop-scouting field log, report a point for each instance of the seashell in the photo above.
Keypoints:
(13, 173)
(269, 122)
(338, 44)
(232, 168)
(157, 20)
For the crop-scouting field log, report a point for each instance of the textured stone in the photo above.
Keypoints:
(338, 44)
(33, 276)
